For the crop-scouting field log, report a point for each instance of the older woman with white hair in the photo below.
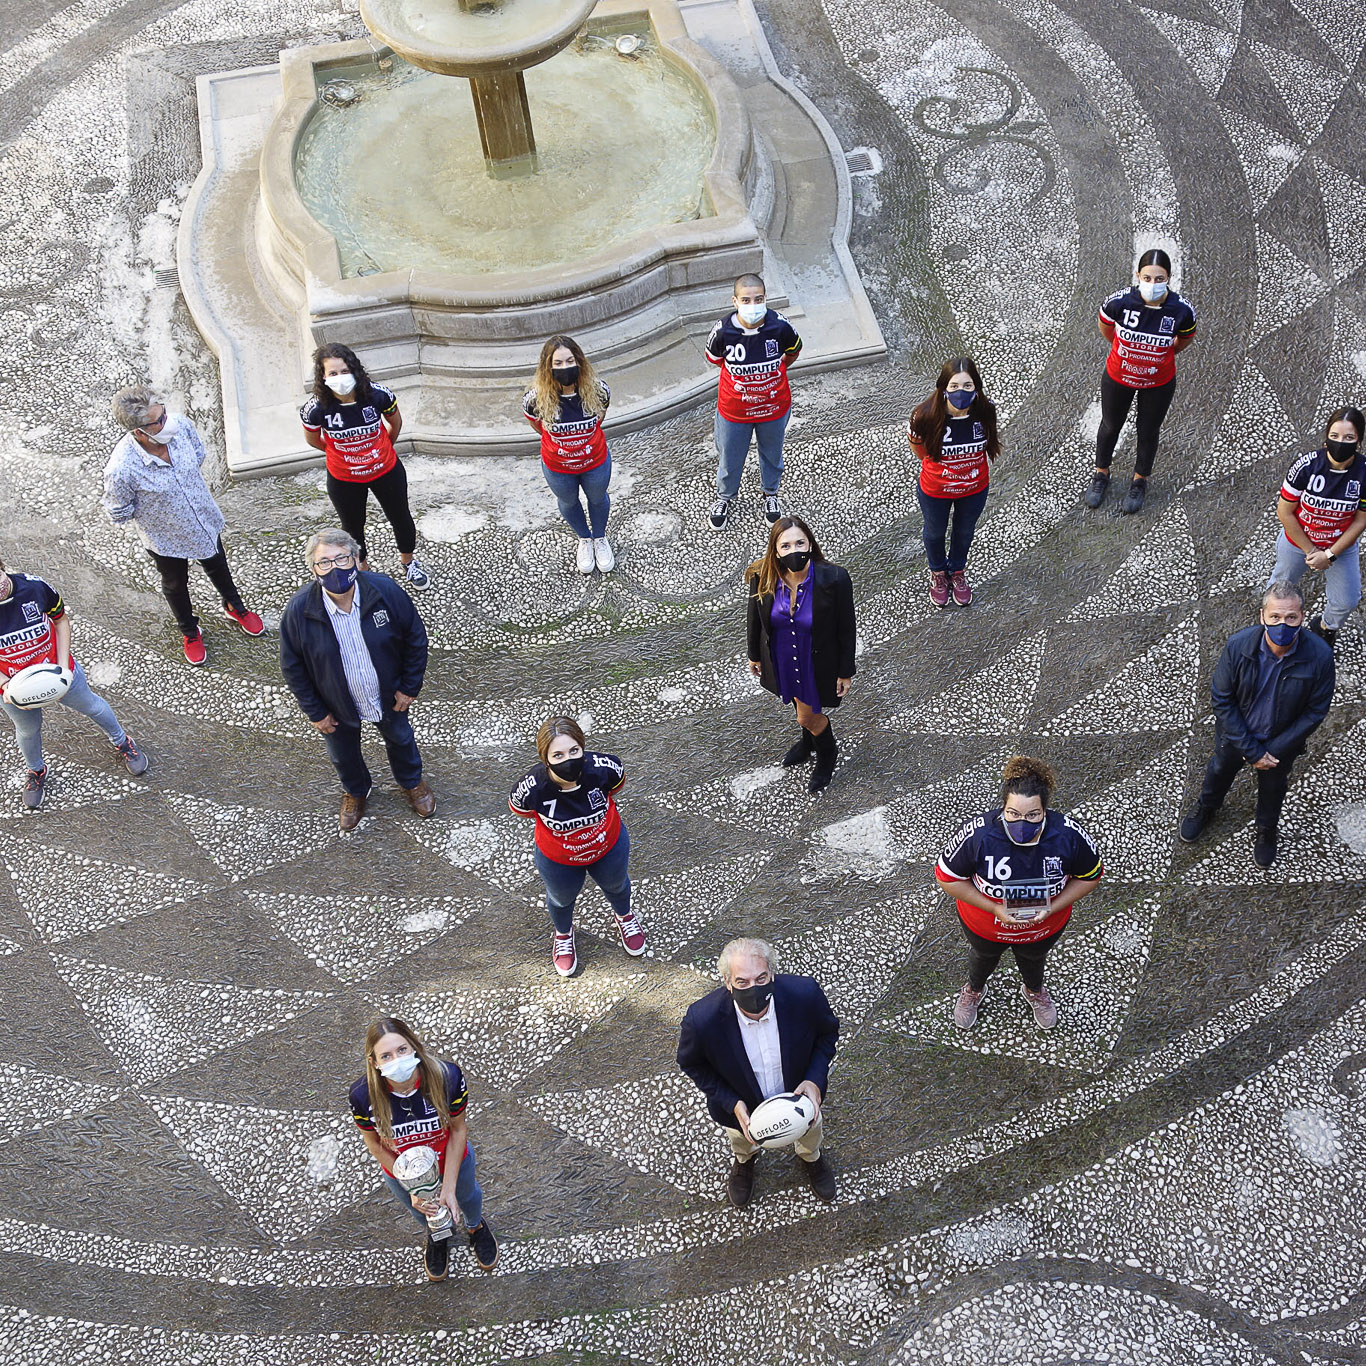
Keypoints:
(154, 478)
(758, 1035)
(353, 649)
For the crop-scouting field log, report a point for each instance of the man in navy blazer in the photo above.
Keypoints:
(353, 649)
(759, 1035)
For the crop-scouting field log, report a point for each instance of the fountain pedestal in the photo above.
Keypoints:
(500, 105)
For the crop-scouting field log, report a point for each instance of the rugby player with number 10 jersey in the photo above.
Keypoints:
(1022, 878)
(575, 825)
(1326, 499)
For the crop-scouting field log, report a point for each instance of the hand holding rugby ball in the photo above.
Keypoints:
(37, 686)
(781, 1120)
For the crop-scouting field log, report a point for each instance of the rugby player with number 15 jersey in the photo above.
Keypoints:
(1016, 872)
(1322, 510)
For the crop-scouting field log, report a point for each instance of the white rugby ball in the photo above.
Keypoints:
(37, 686)
(781, 1120)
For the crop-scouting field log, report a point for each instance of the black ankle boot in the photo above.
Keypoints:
(802, 751)
(826, 753)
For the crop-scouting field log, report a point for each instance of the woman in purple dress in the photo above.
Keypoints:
(801, 638)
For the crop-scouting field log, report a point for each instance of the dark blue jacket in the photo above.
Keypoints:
(712, 1053)
(1304, 691)
(310, 657)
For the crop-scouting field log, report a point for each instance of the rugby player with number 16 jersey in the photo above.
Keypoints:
(1322, 509)
(753, 347)
(1016, 873)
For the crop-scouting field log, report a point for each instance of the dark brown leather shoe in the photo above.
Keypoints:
(421, 798)
(740, 1183)
(822, 1179)
(352, 809)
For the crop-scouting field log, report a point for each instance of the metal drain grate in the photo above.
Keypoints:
(167, 278)
(863, 161)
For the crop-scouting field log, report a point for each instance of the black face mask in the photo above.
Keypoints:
(1342, 451)
(794, 561)
(568, 769)
(565, 374)
(753, 999)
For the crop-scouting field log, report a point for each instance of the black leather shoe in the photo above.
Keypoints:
(1264, 850)
(1194, 824)
(822, 1179)
(1096, 490)
(740, 1183)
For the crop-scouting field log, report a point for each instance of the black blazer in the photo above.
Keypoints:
(1304, 691)
(712, 1053)
(833, 633)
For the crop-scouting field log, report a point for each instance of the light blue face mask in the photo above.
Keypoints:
(401, 1068)
(1152, 290)
(751, 314)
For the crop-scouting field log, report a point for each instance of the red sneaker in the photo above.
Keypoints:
(563, 955)
(195, 653)
(939, 587)
(248, 621)
(962, 590)
(632, 934)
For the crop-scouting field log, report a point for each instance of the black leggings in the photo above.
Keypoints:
(984, 954)
(175, 585)
(391, 493)
(1115, 402)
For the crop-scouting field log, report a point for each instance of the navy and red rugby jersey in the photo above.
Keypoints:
(578, 824)
(26, 616)
(575, 441)
(355, 439)
(413, 1119)
(1143, 353)
(753, 384)
(1326, 500)
(962, 467)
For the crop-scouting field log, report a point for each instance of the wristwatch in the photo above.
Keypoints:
(1331, 556)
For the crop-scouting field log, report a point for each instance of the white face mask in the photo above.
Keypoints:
(168, 430)
(751, 314)
(340, 384)
(401, 1068)
(1152, 290)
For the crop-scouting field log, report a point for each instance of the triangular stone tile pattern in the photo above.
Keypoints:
(1346, 378)
(244, 841)
(992, 702)
(1341, 24)
(1133, 821)
(502, 1036)
(1252, 565)
(1267, 156)
(39, 1099)
(496, 850)
(1311, 845)
(673, 906)
(1206, 50)
(914, 827)
(1155, 691)
(1309, 90)
(355, 937)
(68, 787)
(67, 894)
(1254, 427)
(659, 1125)
(1155, 575)
(1349, 654)
(1091, 974)
(1286, 285)
(288, 1169)
(157, 1025)
(1345, 202)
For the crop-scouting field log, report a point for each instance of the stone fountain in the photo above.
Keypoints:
(478, 174)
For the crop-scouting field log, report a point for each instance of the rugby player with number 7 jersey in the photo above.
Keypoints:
(1016, 872)
(1322, 510)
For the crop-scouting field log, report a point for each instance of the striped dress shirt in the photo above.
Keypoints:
(361, 677)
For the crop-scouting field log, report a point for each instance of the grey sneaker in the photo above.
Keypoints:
(720, 514)
(1041, 1003)
(134, 760)
(416, 576)
(965, 1008)
(33, 789)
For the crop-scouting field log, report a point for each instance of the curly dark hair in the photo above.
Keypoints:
(1026, 776)
(336, 351)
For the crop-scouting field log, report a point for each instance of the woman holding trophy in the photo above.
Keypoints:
(410, 1110)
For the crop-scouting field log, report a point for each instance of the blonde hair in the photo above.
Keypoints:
(433, 1076)
(547, 391)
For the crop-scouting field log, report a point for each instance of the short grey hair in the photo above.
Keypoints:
(132, 407)
(1283, 589)
(746, 948)
(333, 536)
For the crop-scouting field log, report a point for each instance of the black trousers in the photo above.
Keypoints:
(175, 585)
(391, 493)
(1115, 401)
(1223, 768)
(985, 954)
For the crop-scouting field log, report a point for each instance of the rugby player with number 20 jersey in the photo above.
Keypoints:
(1016, 872)
(579, 834)
(1322, 510)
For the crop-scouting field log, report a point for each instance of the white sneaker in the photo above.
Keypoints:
(602, 555)
(562, 953)
(587, 561)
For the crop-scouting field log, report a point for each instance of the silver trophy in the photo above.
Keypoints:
(418, 1171)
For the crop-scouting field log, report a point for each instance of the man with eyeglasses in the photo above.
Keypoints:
(758, 1035)
(353, 649)
(154, 479)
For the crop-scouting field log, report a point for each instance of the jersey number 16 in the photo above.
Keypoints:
(998, 870)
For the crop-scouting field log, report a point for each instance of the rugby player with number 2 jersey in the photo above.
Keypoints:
(1147, 326)
(1016, 873)
(753, 347)
(1322, 510)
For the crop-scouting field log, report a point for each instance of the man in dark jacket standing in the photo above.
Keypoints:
(756, 1036)
(353, 649)
(1271, 689)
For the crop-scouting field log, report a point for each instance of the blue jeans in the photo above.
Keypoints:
(1341, 580)
(732, 446)
(564, 882)
(593, 483)
(28, 724)
(343, 748)
(936, 511)
(467, 1194)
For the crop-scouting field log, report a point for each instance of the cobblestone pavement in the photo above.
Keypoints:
(188, 961)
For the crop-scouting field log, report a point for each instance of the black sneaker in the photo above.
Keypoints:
(435, 1256)
(1328, 637)
(1133, 499)
(1194, 824)
(485, 1245)
(773, 507)
(1096, 489)
(33, 789)
(1264, 849)
(720, 514)
(820, 1176)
